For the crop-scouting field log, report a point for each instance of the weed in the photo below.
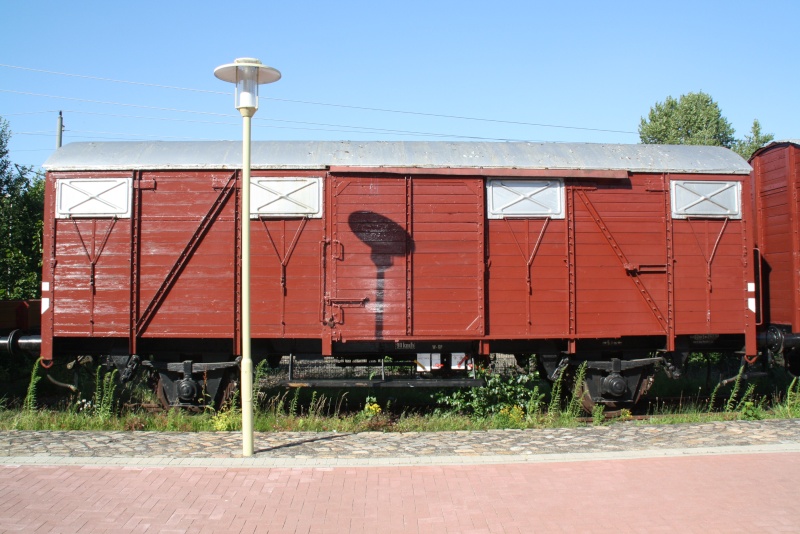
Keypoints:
(29, 405)
(261, 373)
(510, 417)
(598, 414)
(555, 396)
(293, 404)
(731, 404)
(134, 423)
(558, 416)
(575, 406)
(339, 403)
(625, 415)
(104, 391)
(174, 421)
(713, 398)
(229, 416)
(371, 407)
(790, 406)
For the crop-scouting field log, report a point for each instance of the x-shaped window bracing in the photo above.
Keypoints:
(526, 196)
(89, 196)
(285, 196)
(704, 198)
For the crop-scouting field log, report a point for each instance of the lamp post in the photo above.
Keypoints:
(247, 74)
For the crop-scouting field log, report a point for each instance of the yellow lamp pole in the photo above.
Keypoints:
(247, 74)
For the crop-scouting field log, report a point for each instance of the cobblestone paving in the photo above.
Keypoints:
(371, 445)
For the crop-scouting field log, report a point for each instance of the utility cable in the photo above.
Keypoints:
(313, 103)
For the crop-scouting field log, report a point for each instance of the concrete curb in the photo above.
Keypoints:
(263, 461)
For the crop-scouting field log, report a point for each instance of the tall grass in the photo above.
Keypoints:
(524, 406)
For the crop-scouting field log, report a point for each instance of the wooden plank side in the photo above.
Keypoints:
(710, 276)
(204, 292)
(515, 308)
(620, 260)
(368, 253)
(775, 184)
(86, 306)
(447, 220)
(286, 300)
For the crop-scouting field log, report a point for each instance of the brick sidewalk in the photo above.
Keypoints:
(722, 493)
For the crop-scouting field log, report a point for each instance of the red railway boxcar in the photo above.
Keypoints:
(625, 257)
(776, 182)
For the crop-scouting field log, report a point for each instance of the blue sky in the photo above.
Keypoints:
(537, 71)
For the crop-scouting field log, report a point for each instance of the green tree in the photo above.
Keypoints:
(747, 146)
(692, 119)
(21, 213)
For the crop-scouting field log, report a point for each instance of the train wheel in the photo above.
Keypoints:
(588, 403)
(161, 394)
(615, 389)
(792, 362)
(230, 386)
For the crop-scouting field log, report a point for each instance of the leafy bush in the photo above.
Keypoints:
(500, 391)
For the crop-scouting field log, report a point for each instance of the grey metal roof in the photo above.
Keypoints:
(153, 155)
(783, 142)
(769, 146)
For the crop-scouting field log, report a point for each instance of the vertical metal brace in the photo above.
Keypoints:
(409, 257)
(670, 265)
(571, 272)
(136, 216)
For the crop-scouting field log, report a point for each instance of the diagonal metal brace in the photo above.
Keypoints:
(628, 266)
(185, 255)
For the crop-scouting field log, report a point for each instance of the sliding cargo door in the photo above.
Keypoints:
(619, 268)
(184, 260)
(448, 259)
(406, 258)
(368, 268)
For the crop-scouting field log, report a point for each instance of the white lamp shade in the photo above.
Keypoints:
(247, 74)
(246, 87)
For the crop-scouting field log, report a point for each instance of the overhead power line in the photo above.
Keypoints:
(141, 106)
(310, 102)
(348, 128)
(99, 78)
(29, 113)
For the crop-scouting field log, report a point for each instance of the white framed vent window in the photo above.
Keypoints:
(506, 198)
(93, 197)
(698, 198)
(286, 197)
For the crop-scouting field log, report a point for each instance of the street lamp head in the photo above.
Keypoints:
(247, 73)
